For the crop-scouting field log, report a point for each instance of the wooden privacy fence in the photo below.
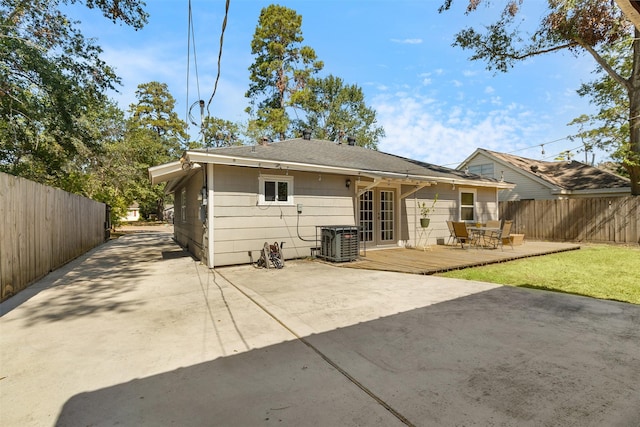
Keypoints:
(607, 219)
(42, 228)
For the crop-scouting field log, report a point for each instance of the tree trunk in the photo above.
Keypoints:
(632, 158)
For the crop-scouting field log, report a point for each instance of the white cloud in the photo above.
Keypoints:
(421, 129)
(489, 90)
(407, 41)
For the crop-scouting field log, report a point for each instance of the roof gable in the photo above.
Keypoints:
(565, 175)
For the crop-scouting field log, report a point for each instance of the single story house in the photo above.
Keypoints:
(229, 201)
(541, 180)
(133, 213)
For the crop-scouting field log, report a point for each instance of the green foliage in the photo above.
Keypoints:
(426, 210)
(608, 129)
(333, 110)
(154, 135)
(281, 68)
(218, 133)
(52, 79)
(154, 112)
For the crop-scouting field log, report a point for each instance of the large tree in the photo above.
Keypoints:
(589, 26)
(155, 135)
(282, 67)
(608, 128)
(216, 132)
(51, 78)
(332, 110)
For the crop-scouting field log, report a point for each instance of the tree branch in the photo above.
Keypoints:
(543, 51)
(605, 65)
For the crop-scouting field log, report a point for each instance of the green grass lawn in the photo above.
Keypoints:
(598, 271)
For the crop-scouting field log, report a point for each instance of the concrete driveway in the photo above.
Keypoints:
(138, 333)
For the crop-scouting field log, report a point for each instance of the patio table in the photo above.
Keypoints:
(481, 232)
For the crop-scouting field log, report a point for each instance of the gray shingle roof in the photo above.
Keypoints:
(328, 153)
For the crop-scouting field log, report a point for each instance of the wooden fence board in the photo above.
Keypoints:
(608, 220)
(42, 228)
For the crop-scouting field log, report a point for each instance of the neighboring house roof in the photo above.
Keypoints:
(569, 176)
(326, 156)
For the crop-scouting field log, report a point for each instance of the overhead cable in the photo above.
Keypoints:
(224, 26)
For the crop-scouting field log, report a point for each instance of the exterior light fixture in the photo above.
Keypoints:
(348, 182)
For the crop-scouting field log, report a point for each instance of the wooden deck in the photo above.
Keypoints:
(440, 258)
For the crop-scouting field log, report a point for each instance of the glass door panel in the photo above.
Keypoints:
(386, 216)
(366, 216)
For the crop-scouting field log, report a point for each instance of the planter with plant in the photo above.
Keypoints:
(425, 212)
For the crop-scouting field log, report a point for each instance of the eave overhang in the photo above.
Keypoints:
(407, 178)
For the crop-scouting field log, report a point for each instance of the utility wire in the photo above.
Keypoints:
(542, 144)
(190, 37)
(224, 26)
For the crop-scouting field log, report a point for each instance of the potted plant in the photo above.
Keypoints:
(425, 211)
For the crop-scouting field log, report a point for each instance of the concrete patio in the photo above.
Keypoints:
(138, 333)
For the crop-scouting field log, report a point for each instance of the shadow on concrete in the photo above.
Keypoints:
(95, 281)
(507, 356)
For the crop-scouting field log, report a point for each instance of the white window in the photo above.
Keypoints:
(484, 170)
(467, 205)
(275, 189)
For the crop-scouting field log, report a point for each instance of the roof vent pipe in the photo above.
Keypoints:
(351, 140)
(306, 134)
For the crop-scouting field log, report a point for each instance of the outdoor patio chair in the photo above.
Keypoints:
(461, 233)
(452, 233)
(493, 223)
(502, 236)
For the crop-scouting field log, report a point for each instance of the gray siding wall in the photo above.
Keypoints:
(242, 225)
(447, 209)
(188, 227)
(526, 187)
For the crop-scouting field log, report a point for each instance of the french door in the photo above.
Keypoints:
(377, 216)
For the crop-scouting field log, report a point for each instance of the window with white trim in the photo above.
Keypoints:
(468, 205)
(275, 189)
(484, 170)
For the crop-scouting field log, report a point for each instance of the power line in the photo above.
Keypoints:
(190, 37)
(542, 144)
(224, 26)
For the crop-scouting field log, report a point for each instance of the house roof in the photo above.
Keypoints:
(564, 175)
(321, 155)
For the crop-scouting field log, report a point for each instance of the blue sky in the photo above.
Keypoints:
(434, 104)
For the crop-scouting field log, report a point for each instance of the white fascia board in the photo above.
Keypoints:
(596, 191)
(164, 172)
(199, 157)
(472, 156)
(170, 171)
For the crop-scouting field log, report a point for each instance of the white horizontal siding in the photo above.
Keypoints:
(241, 225)
(446, 209)
(526, 187)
